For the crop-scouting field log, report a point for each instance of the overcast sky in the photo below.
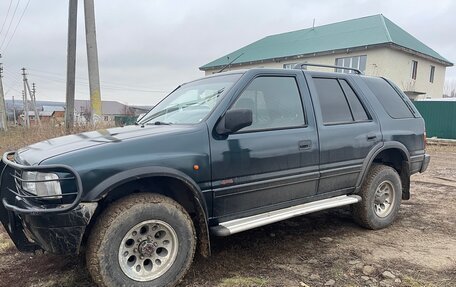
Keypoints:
(147, 47)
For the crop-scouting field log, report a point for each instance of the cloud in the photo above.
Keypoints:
(156, 44)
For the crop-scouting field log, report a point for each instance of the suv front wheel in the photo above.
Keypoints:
(141, 240)
(381, 195)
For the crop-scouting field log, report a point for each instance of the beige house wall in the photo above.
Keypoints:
(386, 62)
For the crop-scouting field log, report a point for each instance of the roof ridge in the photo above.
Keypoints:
(388, 35)
(329, 24)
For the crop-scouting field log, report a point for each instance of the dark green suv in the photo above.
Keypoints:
(219, 155)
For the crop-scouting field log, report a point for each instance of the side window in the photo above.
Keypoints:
(275, 103)
(358, 111)
(338, 102)
(391, 101)
(334, 106)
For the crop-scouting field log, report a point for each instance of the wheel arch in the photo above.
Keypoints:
(393, 154)
(161, 180)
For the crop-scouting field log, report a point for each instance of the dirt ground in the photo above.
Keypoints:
(325, 248)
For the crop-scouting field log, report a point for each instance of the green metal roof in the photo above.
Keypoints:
(366, 31)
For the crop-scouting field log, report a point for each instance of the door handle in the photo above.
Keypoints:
(306, 144)
(371, 137)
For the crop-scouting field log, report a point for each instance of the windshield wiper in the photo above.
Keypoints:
(159, 123)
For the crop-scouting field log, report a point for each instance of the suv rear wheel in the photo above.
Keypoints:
(141, 240)
(381, 194)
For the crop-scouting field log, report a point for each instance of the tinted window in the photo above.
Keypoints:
(359, 114)
(334, 106)
(392, 102)
(275, 103)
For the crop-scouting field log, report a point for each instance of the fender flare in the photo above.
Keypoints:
(378, 148)
(103, 188)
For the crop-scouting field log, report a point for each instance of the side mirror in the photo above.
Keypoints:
(234, 120)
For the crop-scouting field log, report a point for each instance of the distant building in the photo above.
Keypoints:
(46, 117)
(374, 45)
(110, 109)
(54, 112)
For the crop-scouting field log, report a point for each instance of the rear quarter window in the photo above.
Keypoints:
(391, 101)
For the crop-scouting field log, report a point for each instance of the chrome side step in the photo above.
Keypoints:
(237, 225)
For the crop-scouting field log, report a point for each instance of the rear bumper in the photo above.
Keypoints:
(425, 163)
(419, 163)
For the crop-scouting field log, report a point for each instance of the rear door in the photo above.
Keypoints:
(348, 129)
(274, 162)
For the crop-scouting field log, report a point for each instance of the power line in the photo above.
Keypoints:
(17, 25)
(11, 22)
(82, 81)
(6, 18)
(16, 81)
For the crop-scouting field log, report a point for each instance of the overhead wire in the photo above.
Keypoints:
(9, 26)
(84, 81)
(6, 18)
(15, 82)
(15, 79)
(17, 25)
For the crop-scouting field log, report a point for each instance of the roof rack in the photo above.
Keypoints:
(300, 65)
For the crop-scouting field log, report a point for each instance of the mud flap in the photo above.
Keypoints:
(405, 180)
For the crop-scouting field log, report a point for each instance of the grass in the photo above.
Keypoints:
(17, 137)
(411, 282)
(240, 281)
(5, 245)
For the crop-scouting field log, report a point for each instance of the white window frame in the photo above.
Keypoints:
(432, 74)
(414, 71)
(350, 64)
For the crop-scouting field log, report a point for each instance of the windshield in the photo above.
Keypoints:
(190, 103)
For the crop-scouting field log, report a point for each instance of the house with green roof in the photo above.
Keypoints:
(373, 44)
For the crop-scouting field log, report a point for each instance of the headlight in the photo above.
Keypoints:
(41, 184)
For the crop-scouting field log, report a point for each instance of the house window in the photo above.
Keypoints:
(414, 69)
(289, 65)
(431, 76)
(357, 62)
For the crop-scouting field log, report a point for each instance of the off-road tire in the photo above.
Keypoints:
(364, 212)
(115, 222)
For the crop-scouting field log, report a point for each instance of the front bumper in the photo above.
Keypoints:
(58, 233)
(34, 223)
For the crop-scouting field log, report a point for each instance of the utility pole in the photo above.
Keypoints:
(3, 115)
(71, 64)
(92, 59)
(14, 112)
(33, 102)
(26, 108)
